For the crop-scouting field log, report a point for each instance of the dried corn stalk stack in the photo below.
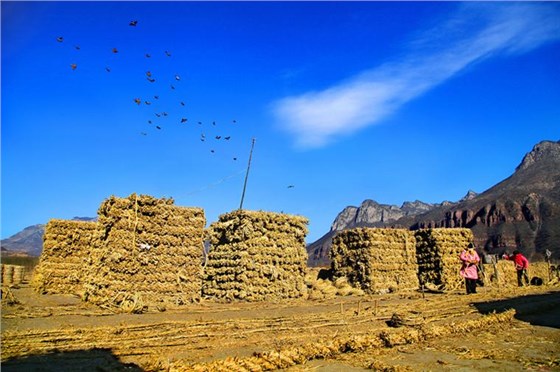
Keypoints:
(437, 252)
(151, 254)
(67, 246)
(256, 256)
(375, 260)
(12, 274)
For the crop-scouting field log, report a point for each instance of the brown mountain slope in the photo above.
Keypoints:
(521, 212)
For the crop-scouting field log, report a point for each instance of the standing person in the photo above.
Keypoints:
(521, 264)
(469, 271)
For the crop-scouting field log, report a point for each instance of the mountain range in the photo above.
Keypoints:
(521, 212)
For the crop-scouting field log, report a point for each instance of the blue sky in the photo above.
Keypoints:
(347, 101)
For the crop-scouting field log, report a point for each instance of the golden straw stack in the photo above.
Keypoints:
(437, 252)
(256, 256)
(375, 260)
(150, 255)
(67, 246)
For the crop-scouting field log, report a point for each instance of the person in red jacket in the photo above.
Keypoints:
(521, 264)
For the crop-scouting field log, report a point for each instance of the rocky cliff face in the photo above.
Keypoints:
(522, 212)
(371, 213)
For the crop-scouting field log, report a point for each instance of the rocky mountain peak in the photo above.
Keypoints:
(470, 196)
(545, 150)
(415, 207)
(371, 213)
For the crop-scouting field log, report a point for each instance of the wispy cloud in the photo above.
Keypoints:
(474, 33)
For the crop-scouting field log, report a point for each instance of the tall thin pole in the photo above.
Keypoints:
(247, 175)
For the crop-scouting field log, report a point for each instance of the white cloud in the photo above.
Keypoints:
(476, 32)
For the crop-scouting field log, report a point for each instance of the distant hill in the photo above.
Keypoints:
(521, 212)
(29, 241)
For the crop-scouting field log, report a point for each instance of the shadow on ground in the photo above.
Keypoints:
(69, 361)
(541, 310)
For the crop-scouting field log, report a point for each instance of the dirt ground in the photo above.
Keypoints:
(438, 331)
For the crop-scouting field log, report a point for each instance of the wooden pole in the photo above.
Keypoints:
(247, 175)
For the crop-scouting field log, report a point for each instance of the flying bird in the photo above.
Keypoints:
(172, 87)
(77, 47)
(218, 137)
(234, 158)
(213, 123)
(73, 66)
(158, 115)
(167, 53)
(291, 186)
(156, 97)
(149, 122)
(60, 39)
(147, 102)
(199, 123)
(133, 23)
(148, 73)
(158, 127)
(143, 133)
(227, 138)
(183, 120)
(147, 55)
(115, 50)
(212, 151)
(182, 103)
(108, 69)
(138, 101)
(151, 80)
(164, 113)
(177, 77)
(234, 121)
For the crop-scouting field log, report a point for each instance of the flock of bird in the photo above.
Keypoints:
(157, 121)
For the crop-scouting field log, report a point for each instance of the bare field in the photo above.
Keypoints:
(502, 329)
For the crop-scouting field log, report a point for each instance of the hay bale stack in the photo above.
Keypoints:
(67, 246)
(256, 256)
(151, 254)
(19, 274)
(437, 252)
(375, 260)
(7, 274)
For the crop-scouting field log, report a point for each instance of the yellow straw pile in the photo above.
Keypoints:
(150, 254)
(375, 260)
(256, 256)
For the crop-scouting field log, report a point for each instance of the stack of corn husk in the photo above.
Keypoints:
(7, 274)
(437, 252)
(375, 260)
(67, 246)
(12, 274)
(150, 254)
(256, 256)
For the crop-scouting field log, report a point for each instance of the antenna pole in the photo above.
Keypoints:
(247, 175)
